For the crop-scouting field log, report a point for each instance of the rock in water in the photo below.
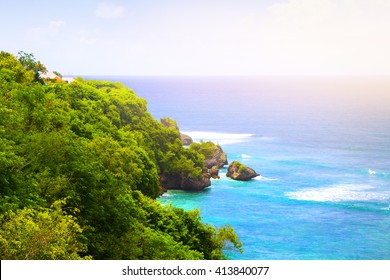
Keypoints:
(240, 172)
(177, 182)
(217, 158)
(214, 171)
(193, 184)
(185, 139)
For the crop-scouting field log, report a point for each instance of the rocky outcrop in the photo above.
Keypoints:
(185, 139)
(240, 172)
(177, 182)
(170, 181)
(214, 172)
(218, 158)
(193, 184)
(214, 157)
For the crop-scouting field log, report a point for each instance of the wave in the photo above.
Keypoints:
(374, 173)
(262, 178)
(339, 193)
(220, 138)
(371, 172)
(245, 156)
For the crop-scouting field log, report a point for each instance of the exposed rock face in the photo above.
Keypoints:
(240, 172)
(218, 158)
(214, 171)
(193, 184)
(176, 182)
(185, 139)
(170, 182)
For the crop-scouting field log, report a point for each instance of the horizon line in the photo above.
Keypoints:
(234, 75)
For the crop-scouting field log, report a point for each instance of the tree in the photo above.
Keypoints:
(47, 234)
(30, 63)
(12, 72)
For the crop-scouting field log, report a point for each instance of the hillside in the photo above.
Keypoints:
(80, 168)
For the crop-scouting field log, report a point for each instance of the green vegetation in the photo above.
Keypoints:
(80, 168)
(241, 167)
(204, 148)
(167, 122)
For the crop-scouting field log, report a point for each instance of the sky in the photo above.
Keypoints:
(199, 37)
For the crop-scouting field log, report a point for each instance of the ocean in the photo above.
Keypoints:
(321, 145)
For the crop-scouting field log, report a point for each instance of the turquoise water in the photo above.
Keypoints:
(322, 147)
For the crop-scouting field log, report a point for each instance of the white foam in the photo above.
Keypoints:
(245, 156)
(262, 178)
(337, 193)
(371, 172)
(220, 138)
(222, 175)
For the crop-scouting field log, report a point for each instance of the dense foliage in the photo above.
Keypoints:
(80, 167)
(205, 148)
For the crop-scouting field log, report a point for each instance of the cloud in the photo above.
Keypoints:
(109, 11)
(54, 26)
(46, 34)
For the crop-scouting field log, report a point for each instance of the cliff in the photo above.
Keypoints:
(80, 169)
(186, 183)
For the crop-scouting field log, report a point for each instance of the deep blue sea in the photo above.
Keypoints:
(321, 145)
